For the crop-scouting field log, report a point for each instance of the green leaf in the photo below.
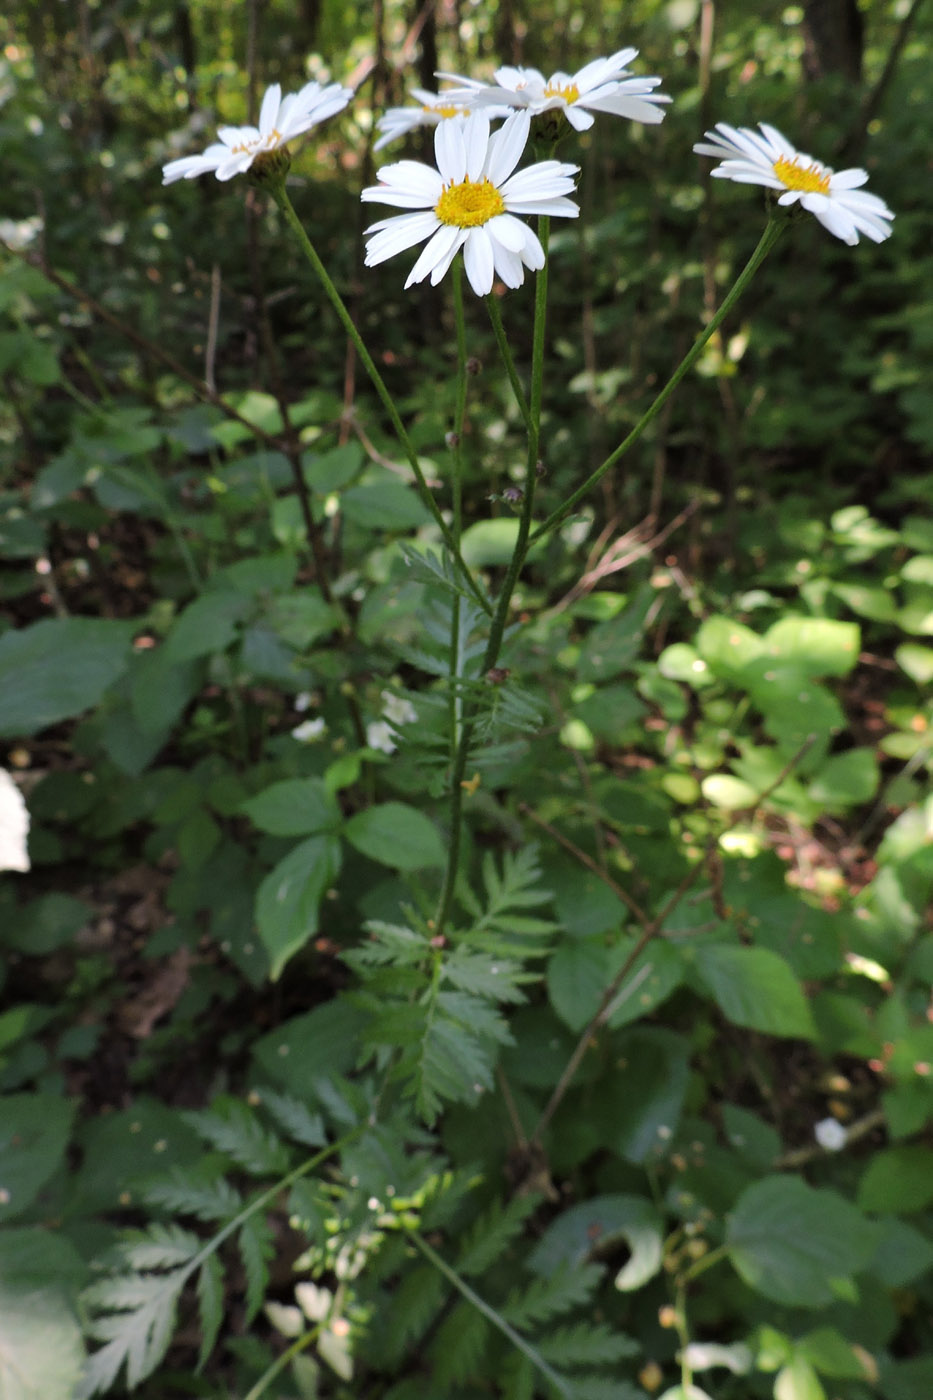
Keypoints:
(207, 626)
(289, 898)
(754, 987)
(491, 542)
(846, 779)
(828, 1351)
(295, 807)
(816, 646)
(41, 1351)
(728, 646)
(793, 1244)
(396, 835)
(384, 505)
(34, 1133)
(903, 1253)
(47, 923)
(645, 1109)
(328, 471)
(798, 1381)
(917, 661)
(301, 618)
(322, 1041)
(898, 1180)
(729, 793)
(57, 669)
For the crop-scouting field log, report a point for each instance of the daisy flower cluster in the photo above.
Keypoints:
(474, 198)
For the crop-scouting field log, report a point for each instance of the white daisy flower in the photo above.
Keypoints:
(380, 735)
(432, 108)
(470, 202)
(309, 730)
(605, 85)
(14, 825)
(833, 197)
(280, 120)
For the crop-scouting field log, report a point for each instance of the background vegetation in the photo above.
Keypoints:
(654, 1112)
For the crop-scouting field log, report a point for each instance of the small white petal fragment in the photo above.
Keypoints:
(280, 121)
(765, 157)
(830, 1135)
(14, 825)
(469, 203)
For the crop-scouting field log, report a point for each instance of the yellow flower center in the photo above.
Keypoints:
(469, 204)
(570, 93)
(440, 110)
(811, 179)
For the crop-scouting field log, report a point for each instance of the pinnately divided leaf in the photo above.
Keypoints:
(491, 1235)
(255, 1245)
(233, 1128)
(210, 1304)
(552, 1295)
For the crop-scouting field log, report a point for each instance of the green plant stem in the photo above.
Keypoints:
(500, 616)
(772, 233)
(280, 195)
(499, 1322)
(279, 1364)
(495, 316)
(456, 659)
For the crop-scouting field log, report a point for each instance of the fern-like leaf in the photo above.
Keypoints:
(553, 1295)
(586, 1344)
(459, 1346)
(203, 1194)
(255, 1245)
(490, 1235)
(233, 1128)
(210, 1305)
(136, 1328)
(295, 1119)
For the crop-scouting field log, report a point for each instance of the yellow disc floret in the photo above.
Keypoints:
(570, 93)
(469, 203)
(810, 179)
(442, 109)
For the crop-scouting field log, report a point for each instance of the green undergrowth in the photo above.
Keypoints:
(649, 1113)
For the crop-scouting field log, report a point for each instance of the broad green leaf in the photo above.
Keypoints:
(41, 1351)
(754, 987)
(46, 923)
(329, 471)
(794, 1244)
(680, 662)
(875, 603)
(898, 1180)
(643, 1112)
(320, 1042)
(828, 1351)
(57, 669)
(396, 835)
(208, 625)
(846, 779)
(728, 646)
(301, 618)
(577, 975)
(816, 646)
(388, 504)
(34, 1133)
(729, 793)
(492, 542)
(289, 898)
(596, 1225)
(655, 973)
(917, 661)
(294, 807)
(798, 1381)
(903, 1253)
